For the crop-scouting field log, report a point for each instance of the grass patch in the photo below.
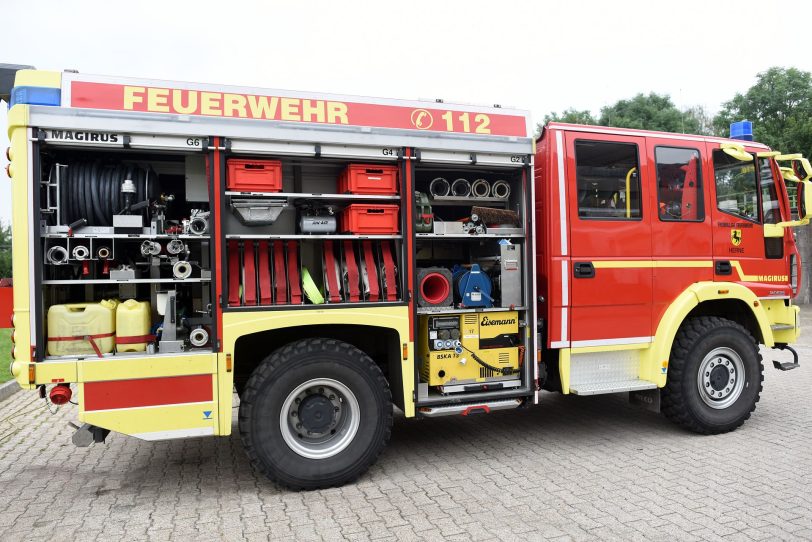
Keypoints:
(5, 354)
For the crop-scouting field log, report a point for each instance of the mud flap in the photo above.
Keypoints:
(648, 399)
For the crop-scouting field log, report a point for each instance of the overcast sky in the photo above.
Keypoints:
(532, 55)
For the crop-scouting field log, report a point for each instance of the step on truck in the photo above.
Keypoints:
(328, 258)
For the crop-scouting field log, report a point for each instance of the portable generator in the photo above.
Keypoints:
(463, 352)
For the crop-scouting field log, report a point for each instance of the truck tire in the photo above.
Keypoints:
(316, 413)
(715, 376)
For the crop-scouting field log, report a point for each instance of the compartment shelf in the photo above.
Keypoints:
(124, 281)
(464, 200)
(451, 310)
(134, 356)
(303, 195)
(469, 236)
(340, 305)
(184, 237)
(312, 236)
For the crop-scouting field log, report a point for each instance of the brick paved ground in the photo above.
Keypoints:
(574, 468)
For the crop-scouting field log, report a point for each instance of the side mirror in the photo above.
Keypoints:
(804, 200)
(802, 169)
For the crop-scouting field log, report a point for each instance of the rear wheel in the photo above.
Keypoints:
(715, 376)
(315, 413)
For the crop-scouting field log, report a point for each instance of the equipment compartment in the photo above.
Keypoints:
(470, 289)
(312, 244)
(129, 229)
(312, 200)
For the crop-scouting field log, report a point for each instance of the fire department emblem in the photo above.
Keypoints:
(422, 119)
(735, 237)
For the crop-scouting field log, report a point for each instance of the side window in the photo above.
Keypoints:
(736, 186)
(608, 180)
(679, 184)
(770, 207)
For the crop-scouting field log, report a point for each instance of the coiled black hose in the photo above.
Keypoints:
(92, 190)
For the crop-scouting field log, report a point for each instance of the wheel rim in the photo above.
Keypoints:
(319, 418)
(721, 378)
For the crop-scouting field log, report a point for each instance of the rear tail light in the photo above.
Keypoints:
(793, 273)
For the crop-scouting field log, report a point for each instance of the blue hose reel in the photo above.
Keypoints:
(473, 287)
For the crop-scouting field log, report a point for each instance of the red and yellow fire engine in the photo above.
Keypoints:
(331, 257)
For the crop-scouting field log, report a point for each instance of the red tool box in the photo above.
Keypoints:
(366, 219)
(368, 179)
(254, 175)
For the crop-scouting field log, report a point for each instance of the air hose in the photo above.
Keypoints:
(93, 191)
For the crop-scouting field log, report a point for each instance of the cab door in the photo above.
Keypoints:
(610, 259)
(682, 242)
(746, 196)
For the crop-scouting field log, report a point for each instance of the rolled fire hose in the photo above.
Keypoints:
(461, 188)
(439, 187)
(500, 189)
(481, 188)
(93, 190)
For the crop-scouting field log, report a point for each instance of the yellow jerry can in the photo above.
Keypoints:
(74, 328)
(133, 320)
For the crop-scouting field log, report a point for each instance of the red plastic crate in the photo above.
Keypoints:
(368, 179)
(365, 219)
(254, 175)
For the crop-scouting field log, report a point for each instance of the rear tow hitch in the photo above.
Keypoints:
(787, 366)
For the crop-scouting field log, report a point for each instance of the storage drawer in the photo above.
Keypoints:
(368, 179)
(254, 175)
(364, 219)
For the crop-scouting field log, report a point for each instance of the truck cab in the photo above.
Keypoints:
(654, 243)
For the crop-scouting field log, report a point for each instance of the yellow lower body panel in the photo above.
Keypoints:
(153, 402)
(239, 324)
(158, 422)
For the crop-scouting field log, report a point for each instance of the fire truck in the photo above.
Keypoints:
(329, 258)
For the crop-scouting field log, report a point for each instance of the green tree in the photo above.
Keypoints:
(571, 116)
(701, 119)
(780, 106)
(645, 112)
(5, 250)
(650, 112)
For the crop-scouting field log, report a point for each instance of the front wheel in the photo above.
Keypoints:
(715, 376)
(315, 413)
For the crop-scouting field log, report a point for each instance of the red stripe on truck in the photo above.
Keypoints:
(144, 392)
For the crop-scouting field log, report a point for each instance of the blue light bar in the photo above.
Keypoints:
(35, 96)
(742, 130)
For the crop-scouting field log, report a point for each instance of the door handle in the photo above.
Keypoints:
(723, 267)
(583, 270)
